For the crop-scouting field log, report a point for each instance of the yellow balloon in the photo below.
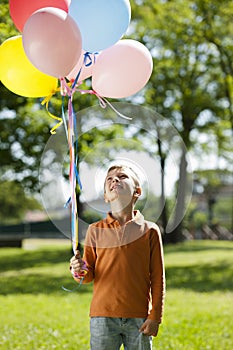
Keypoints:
(19, 75)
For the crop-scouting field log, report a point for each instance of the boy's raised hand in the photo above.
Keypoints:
(76, 263)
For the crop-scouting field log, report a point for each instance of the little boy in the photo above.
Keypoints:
(124, 257)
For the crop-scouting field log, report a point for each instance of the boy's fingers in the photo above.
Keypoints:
(142, 328)
(77, 254)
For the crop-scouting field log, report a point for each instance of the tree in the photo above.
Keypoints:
(220, 36)
(190, 86)
(14, 202)
(210, 183)
(191, 76)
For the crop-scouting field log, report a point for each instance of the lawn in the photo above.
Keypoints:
(36, 313)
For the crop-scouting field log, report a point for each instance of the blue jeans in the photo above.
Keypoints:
(109, 333)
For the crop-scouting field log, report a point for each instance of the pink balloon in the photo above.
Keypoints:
(86, 62)
(122, 70)
(52, 41)
(21, 10)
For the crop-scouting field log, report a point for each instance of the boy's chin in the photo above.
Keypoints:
(113, 199)
(124, 201)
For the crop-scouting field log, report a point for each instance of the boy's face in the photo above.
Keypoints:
(119, 184)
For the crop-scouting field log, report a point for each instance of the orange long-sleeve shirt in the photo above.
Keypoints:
(127, 266)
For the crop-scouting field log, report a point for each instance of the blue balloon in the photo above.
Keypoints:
(101, 22)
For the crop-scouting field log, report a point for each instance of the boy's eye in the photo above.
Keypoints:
(122, 176)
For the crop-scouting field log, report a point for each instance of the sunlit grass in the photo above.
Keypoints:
(196, 321)
(36, 313)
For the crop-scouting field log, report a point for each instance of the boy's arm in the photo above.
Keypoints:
(157, 274)
(89, 257)
(77, 264)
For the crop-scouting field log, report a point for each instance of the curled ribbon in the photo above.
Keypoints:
(88, 60)
(104, 102)
(45, 102)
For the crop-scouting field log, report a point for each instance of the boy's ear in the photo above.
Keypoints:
(137, 192)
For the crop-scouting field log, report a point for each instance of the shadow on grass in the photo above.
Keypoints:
(17, 277)
(199, 278)
(34, 258)
(198, 246)
(40, 284)
(202, 277)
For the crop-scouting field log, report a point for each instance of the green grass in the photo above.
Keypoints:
(36, 313)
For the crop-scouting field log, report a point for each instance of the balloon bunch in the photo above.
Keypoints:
(54, 37)
(66, 42)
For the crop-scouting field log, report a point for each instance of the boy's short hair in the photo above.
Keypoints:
(134, 175)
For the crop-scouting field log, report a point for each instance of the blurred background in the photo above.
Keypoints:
(180, 137)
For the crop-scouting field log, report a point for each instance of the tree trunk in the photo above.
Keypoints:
(163, 205)
(175, 234)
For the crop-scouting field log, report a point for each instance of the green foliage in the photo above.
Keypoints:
(23, 136)
(200, 219)
(223, 212)
(192, 58)
(7, 28)
(150, 207)
(198, 301)
(213, 188)
(191, 85)
(14, 202)
(212, 180)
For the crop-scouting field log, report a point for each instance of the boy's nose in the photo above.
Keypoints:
(115, 179)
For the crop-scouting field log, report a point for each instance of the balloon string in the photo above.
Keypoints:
(45, 102)
(76, 79)
(72, 125)
(68, 89)
(72, 290)
(80, 276)
(72, 177)
(113, 108)
(74, 141)
(103, 102)
(88, 60)
(72, 137)
(64, 118)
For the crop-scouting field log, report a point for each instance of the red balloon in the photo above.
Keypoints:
(21, 10)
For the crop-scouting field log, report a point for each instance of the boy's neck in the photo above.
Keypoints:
(123, 215)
